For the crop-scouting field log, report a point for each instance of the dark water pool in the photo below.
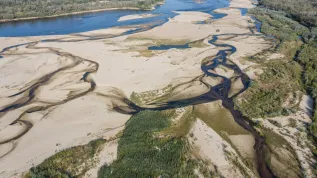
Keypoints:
(167, 47)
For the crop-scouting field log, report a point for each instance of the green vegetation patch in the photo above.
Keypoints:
(72, 162)
(197, 44)
(297, 41)
(40, 8)
(266, 96)
(282, 77)
(182, 126)
(219, 119)
(148, 97)
(144, 152)
(303, 11)
(308, 59)
(286, 30)
(283, 19)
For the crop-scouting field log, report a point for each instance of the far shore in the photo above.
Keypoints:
(80, 12)
(72, 13)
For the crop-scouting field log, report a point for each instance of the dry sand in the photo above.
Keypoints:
(296, 135)
(213, 148)
(105, 157)
(242, 4)
(136, 16)
(74, 123)
(121, 71)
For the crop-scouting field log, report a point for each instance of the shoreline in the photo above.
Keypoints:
(74, 13)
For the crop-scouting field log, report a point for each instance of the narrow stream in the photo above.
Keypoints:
(221, 92)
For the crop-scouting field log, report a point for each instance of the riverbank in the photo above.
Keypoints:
(69, 14)
(83, 12)
(288, 64)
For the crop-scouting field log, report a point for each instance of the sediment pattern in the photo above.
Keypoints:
(71, 77)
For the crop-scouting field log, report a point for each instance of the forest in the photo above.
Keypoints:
(13, 9)
(294, 24)
(303, 11)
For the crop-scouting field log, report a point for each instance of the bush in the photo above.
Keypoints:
(144, 152)
(69, 163)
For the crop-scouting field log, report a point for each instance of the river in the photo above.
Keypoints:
(100, 20)
(106, 19)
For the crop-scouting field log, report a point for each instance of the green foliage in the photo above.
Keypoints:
(288, 31)
(135, 99)
(277, 24)
(69, 163)
(39, 8)
(265, 97)
(144, 152)
(146, 4)
(183, 126)
(313, 130)
(283, 19)
(308, 58)
(303, 11)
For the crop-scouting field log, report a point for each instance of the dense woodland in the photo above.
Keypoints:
(303, 11)
(294, 24)
(12, 9)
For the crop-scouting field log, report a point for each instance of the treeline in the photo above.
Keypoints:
(70, 163)
(303, 11)
(13, 9)
(294, 23)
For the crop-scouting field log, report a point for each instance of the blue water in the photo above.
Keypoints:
(258, 24)
(106, 19)
(216, 15)
(243, 11)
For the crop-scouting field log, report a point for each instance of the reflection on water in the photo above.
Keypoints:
(99, 20)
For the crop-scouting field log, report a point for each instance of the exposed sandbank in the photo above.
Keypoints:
(136, 16)
(118, 67)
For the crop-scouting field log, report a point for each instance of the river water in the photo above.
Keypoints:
(106, 19)
(100, 20)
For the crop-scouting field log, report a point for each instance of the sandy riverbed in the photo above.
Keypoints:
(136, 16)
(69, 113)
